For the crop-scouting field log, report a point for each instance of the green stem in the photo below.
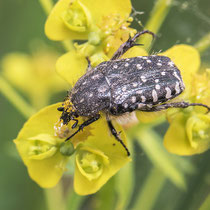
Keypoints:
(151, 143)
(206, 204)
(12, 95)
(157, 17)
(54, 198)
(203, 44)
(74, 201)
(151, 190)
(47, 6)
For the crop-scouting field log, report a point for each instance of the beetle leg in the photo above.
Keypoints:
(129, 44)
(116, 135)
(75, 124)
(89, 64)
(84, 124)
(172, 105)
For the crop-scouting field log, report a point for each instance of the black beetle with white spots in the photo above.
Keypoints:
(120, 86)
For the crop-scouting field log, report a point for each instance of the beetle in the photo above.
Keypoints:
(119, 86)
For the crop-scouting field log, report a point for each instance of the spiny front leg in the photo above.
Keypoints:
(86, 123)
(115, 134)
(129, 44)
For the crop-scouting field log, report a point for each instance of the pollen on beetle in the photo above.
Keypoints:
(149, 61)
(126, 64)
(159, 64)
(163, 73)
(157, 80)
(115, 66)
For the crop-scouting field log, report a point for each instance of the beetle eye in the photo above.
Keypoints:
(60, 109)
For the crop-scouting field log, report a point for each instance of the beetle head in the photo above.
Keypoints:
(68, 112)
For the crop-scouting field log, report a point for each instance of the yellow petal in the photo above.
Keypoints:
(101, 8)
(39, 147)
(71, 66)
(198, 132)
(56, 28)
(175, 139)
(187, 59)
(108, 153)
(188, 136)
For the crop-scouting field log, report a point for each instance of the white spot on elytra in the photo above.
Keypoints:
(149, 105)
(139, 66)
(140, 106)
(102, 89)
(177, 88)
(139, 91)
(176, 75)
(171, 63)
(149, 61)
(133, 99)
(143, 99)
(126, 64)
(124, 88)
(168, 92)
(157, 87)
(125, 105)
(135, 84)
(163, 73)
(81, 100)
(157, 80)
(159, 64)
(143, 78)
(154, 96)
(90, 95)
(96, 76)
(115, 66)
(144, 57)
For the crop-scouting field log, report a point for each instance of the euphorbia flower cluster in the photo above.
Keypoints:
(104, 25)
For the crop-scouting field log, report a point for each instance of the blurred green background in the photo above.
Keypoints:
(22, 22)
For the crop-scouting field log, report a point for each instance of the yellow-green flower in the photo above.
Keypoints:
(75, 19)
(98, 156)
(189, 130)
(41, 146)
